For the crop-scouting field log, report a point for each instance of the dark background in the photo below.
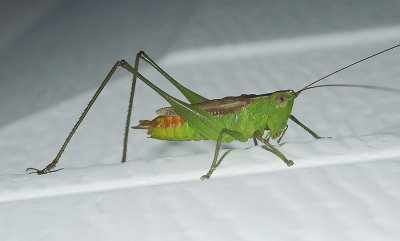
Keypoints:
(52, 50)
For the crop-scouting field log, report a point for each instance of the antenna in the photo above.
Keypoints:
(357, 62)
(356, 86)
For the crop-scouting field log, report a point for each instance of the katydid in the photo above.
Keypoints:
(222, 120)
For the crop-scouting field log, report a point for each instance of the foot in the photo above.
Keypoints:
(289, 163)
(41, 172)
(204, 177)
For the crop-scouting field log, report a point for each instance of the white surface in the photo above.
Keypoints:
(340, 188)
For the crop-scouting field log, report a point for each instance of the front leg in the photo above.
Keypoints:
(304, 127)
(273, 149)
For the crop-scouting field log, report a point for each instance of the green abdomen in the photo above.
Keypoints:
(175, 128)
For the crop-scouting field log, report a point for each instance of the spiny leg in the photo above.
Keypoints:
(222, 157)
(304, 127)
(214, 162)
(273, 149)
(255, 141)
(128, 116)
(50, 166)
(238, 136)
(282, 134)
(185, 91)
(191, 96)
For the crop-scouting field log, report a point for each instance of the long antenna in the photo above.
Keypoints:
(359, 61)
(356, 86)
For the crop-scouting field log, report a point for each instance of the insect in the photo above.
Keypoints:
(222, 120)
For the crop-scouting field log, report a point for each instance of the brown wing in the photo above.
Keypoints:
(217, 107)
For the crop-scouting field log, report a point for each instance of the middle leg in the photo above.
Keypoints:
(273, 149)
(238, 136)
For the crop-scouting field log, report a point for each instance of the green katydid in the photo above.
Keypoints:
(222, 120)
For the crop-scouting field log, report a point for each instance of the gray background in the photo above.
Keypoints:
(54, 50)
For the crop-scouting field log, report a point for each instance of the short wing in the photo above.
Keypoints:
(217, 107)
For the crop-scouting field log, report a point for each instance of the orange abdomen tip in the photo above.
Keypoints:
(161, 122)
(172, 128)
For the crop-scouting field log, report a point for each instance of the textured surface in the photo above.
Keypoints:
(340, 188)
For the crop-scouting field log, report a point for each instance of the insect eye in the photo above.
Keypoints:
(281, 100)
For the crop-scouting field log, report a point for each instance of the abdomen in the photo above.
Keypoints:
(173, 128)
